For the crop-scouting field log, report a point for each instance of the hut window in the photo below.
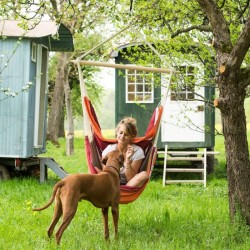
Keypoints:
(183, 84)
(33, 52)
(139, 86)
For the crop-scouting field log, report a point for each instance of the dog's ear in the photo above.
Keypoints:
(104, 160)
(120, 158)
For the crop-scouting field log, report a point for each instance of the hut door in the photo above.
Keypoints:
(41, 96)
(184, 114)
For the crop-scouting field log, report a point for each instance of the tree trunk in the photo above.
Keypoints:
(56, 113)
(61, 132)
(70, 119)
(232, 84)
(236, 147)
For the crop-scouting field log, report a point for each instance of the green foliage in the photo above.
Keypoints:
(82, 44)
(179, 29)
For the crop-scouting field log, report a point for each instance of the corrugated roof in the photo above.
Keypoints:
(64, 41)
(13, 29)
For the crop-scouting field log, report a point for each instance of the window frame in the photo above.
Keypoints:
(179, 96)
(33, 52)
(137, 84)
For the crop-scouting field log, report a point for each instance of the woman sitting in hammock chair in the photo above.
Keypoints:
(126, 130)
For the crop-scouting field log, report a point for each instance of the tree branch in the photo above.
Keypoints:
(222, 4)
(240, 49)
(38, 13)
(218, 24)
(246, 7)
(54, 5)
(205, 28)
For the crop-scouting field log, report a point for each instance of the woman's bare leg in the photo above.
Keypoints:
(138, 180)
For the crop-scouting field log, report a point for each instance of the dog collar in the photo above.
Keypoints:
(114, 169)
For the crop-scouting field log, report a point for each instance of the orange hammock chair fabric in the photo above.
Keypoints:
(95, 143)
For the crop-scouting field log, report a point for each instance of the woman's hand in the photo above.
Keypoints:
(129, 153)
(129, 170)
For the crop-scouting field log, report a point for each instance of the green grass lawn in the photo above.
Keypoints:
(170, 217)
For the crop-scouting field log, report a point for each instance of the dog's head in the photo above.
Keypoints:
(113, 157)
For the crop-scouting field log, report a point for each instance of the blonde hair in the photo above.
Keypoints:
(130, 124)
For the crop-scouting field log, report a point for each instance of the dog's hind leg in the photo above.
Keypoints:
(115, 214)
(105, 221)
(68, 214)
(57, 215)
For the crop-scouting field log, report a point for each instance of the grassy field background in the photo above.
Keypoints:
(172, 217)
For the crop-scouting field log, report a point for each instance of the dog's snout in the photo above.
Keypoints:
(121, 158)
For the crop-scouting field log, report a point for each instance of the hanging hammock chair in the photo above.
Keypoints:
(95, 142)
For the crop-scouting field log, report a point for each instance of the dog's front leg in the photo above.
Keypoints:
(105, 221)
(115, 214)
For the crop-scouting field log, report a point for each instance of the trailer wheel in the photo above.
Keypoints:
(4, 173)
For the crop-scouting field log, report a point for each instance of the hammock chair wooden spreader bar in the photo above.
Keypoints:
(95, 142)
(124, 66)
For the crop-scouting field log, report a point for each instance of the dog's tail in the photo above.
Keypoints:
(52, 198)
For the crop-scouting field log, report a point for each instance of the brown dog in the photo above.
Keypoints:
(102, 190)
